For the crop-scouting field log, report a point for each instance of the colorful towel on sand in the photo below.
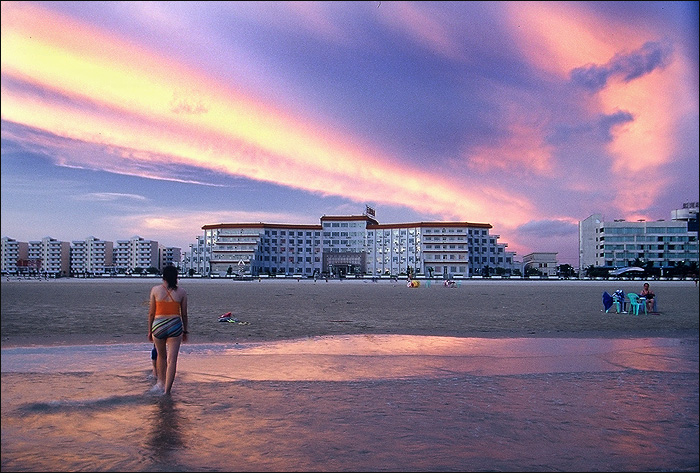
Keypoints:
(227, 317)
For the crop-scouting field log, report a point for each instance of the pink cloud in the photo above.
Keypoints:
(520, 150)
(414, 20)
(562, 37)
(124, 97)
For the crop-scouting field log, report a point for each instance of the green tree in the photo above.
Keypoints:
(565, 270)
(597, 272)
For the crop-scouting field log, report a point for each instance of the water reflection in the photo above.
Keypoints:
(379, 403)
(359, 357)
(362, 357)
(166, 436)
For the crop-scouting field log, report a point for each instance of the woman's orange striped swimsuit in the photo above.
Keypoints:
(165, 307)
(164, 327)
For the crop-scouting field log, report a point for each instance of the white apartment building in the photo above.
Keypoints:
(196, 259)
(14, 253)
(169, 256)
(49, 257)
(135, 252)
(544, 262)
(352, 244)
(91, 256)
(616, 244)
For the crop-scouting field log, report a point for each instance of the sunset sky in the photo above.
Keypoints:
(156, 118)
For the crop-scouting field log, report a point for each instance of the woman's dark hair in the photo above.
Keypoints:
(170, 276)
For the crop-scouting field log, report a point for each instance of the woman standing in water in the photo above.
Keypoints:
(167, 326)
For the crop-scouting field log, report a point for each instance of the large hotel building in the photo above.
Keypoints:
(350, 245)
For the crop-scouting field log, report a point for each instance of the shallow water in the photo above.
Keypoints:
(357, 403)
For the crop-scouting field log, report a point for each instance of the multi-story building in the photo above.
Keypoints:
(169, 256)
(343, 249)
(260, 248)
(688, 213)
(619, 243)
(135, 252)
(197, 259)
(49, 257)
(353, 244)
(14, 253)
(446, 249)
(91, 256)
(545, 263)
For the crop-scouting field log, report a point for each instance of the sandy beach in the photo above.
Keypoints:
(352, 376)
(74, 311)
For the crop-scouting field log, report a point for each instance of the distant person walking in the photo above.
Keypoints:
(167, 327)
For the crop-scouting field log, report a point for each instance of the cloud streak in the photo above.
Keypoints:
(513, 113)
(211, 127)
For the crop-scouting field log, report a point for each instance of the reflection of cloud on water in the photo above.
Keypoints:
(363, 357)
(360, 357)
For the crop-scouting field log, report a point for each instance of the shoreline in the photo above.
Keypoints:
(73, 340)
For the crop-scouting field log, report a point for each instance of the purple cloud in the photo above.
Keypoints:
(649, 57)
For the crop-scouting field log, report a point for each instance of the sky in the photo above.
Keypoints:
(153, 119)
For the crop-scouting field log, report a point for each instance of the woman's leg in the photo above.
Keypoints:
(173, 350)
(161, 360)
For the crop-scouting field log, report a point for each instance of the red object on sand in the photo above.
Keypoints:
(227, 314)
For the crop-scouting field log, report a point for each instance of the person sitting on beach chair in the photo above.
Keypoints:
(649, 296)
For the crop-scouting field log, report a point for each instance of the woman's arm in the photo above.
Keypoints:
(151, 313)
(183, 312)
